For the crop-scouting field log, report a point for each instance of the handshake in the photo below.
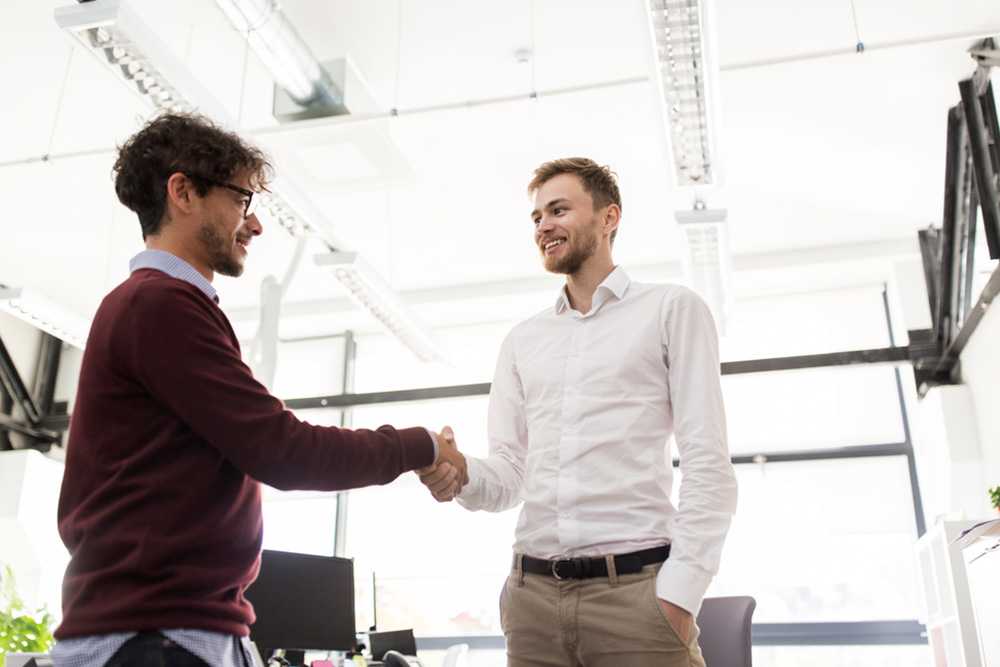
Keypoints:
(449, 473)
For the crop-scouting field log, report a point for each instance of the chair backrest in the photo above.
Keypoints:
(725, 631)
(455, 656)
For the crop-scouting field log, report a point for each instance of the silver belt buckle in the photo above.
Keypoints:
(555, 573)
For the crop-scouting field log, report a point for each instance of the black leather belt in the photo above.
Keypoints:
(586, 568)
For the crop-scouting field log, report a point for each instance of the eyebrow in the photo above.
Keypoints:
(551, 205)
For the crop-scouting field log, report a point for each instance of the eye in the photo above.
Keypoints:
(558, 210)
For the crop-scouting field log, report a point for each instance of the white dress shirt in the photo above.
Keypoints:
(580, 417)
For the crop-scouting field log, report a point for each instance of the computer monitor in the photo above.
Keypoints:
(303, 602)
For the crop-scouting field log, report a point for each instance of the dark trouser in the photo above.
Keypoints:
(151, 649)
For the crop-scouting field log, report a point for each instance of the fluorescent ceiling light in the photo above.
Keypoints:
(42, 313)
(116, 35)
(119, 39)
(368, 290)
(708, 264)
(685, 76)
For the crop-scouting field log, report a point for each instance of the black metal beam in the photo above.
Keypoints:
(930, 252)
(904, 418)
(425, 394)
(46, 372)
(43, 438)
(819, 454)
(980, 112)
(15, 386)
(886, 355)
(986, 297)
(6, 407)
(955, 178)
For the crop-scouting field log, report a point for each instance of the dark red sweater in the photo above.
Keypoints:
(159, 507)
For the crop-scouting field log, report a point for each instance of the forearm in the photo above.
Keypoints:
(707, 504)
(494, 485)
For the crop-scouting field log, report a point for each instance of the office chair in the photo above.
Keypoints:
(455, 656)
(394, 659)
(725, 631)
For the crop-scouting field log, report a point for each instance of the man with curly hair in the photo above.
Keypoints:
(584, 401)
(171, 435)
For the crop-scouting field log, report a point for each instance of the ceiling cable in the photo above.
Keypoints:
(860, 46)
(59, 105)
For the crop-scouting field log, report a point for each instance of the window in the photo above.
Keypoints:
(815, 322)
(811, 409)
(820, 541)
(418, 548)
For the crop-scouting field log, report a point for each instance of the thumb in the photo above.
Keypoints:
(448, 433)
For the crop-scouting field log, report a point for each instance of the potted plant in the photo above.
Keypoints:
(995, 497)
(20, 631)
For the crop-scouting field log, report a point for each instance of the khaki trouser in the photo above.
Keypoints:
(612, 621)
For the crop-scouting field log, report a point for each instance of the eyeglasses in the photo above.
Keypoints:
(249, 206)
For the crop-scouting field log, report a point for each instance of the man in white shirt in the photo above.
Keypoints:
(584, 400)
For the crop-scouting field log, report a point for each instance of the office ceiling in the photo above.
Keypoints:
(820, 146)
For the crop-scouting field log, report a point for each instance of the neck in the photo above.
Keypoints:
(580, 286)
(178, 248)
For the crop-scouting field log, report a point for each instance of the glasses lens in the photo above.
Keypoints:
(251, 206)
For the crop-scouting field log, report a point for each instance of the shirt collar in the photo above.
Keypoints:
(616, 284)
(173, 266)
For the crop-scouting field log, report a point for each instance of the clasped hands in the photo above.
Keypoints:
(449, 473)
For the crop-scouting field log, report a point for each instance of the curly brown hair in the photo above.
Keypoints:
(598, 181)
(181, 142)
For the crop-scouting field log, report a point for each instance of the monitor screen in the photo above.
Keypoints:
(303, 602)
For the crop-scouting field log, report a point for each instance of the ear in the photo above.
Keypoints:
(181, 194)
(611, 218)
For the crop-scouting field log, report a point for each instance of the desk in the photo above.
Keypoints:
(981, 553)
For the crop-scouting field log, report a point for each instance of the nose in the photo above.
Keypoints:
(254, 226)
(543, 227)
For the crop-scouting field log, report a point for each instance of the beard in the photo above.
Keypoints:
(221, 251)
(578, 251)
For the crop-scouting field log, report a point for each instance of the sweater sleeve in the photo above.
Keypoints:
(180, 351)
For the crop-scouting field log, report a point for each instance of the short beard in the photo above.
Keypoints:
(574, 258)
(220, 256)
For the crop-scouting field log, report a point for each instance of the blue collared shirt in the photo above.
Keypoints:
(215, 648)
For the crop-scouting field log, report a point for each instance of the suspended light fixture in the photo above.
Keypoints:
(367, 289)
(707, 259)
(42, 313)
(685, 74)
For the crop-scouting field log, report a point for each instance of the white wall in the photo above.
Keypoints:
(981, 372)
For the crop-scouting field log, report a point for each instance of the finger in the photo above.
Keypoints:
(448, 494)
(445, 483)
(438, 473)
(448, 434)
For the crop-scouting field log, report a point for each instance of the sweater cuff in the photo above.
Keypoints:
(419, 450)
(682, 585)
(434, 438)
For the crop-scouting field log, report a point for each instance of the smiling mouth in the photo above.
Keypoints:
(550, 247)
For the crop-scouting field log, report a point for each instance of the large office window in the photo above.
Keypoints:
(304, 521)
